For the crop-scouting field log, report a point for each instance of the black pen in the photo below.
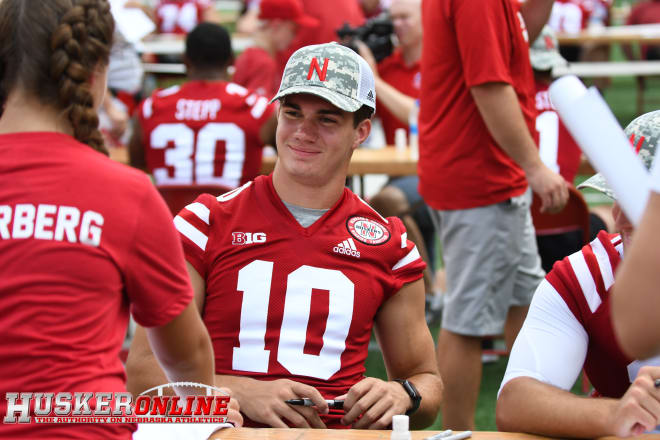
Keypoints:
(333, 404)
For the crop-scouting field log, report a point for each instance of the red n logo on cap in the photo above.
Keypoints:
(314, 65)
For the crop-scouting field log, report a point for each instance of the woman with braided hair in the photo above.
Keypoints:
(82, 239)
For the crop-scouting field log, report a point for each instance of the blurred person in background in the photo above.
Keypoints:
(207, 130)
(177, 16)
(257, 68)
(398, 80)
(557, 148)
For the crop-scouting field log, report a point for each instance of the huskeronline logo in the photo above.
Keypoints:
(248, 237)
(102, 407)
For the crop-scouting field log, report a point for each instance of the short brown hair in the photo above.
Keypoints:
(50, 48)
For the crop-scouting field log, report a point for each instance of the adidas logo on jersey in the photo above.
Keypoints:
(347, 247)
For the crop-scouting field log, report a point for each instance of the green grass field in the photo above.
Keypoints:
(621, 96)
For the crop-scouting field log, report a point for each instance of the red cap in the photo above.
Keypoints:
(286, 10)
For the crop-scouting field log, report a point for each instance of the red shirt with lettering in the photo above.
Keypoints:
(473, 42)
(557, 147)
(284, 301)
(203, 132)
(180, 16)
(83, 240)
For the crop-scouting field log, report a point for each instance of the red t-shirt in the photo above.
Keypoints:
(473, 42)
(645, 13)
(257, 70)
(331, 15)
(557, 147)
(203, 132)
(406, 79)
(82, 240)
(583, 280)
(180, 16)
(283, 301)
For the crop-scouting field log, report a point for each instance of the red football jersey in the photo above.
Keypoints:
(557, 148)
(180, 16)
(472, 42)
(203, 132)
(283, 301)
(406, 79)
(573, 16)
(583, 280)
(82, 240)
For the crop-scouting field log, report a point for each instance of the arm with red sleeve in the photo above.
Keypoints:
(407, 347)
(160, 295)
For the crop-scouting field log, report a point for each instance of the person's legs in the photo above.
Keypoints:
(459, 360)
(392, 201)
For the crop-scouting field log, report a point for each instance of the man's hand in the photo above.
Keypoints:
(639, 409)
(233, 409)
(549, 186)
(263, 402)
(376, 401)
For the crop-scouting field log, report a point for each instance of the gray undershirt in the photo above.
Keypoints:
(305, 216)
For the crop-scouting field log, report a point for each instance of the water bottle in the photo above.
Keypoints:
(413, 136)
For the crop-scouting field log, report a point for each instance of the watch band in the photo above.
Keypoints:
(412, 392)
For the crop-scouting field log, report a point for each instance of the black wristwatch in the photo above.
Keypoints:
(414, 395)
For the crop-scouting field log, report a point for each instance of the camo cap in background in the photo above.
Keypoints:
(332, 72)
(644, 135)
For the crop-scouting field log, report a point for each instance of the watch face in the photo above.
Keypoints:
(415, 397)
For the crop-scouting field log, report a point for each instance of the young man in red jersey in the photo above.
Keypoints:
(208, 130)
(292, 271)
(569, 327)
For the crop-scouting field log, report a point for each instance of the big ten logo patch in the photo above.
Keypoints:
(241, 238)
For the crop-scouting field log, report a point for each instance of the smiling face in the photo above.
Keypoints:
(622, 225)
(315, 139)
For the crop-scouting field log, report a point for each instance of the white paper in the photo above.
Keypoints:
(593, 126)
(133, 23)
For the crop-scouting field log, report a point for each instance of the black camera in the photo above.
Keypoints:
(376, 33)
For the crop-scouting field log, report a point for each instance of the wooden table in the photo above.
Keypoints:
(351, 434)
(641, 33)
(369, 161)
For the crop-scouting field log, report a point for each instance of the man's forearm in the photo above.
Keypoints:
(399, 104)
(429, 386)
(500, 110)
(528, 405)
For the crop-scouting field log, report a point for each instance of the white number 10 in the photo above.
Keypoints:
(254, 280)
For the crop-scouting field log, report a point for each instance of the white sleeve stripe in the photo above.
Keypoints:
(200, 211)
(190, 232)
(603, 263)
(587, 284)
(412, 256)
(404, 240)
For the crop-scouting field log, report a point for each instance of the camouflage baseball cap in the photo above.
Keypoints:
(544, 52)
(644, 134)
(332, 72)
